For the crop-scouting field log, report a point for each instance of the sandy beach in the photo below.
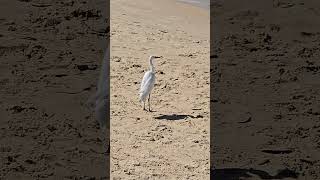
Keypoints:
(173, 141)
(265, 90)
(50, 52)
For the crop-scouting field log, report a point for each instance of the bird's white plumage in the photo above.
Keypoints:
(148, 82)
(101, 98)
(147, 85)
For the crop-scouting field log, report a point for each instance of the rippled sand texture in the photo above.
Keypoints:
(173, 141)
(266, 89)
(50, 57)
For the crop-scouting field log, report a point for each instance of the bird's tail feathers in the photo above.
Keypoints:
(141, 96)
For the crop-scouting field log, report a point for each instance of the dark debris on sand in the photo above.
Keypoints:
(266, 62)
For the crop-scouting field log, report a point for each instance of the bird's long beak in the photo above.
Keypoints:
(158, 57)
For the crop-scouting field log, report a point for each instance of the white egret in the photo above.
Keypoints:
(101, 98)
(147, 83)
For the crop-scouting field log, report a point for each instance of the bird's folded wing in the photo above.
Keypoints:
(146, 76)
(148, 85)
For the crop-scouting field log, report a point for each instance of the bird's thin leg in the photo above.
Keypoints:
(149, 102)
(144, 105)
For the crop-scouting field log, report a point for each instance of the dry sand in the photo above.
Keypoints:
(265, 96)
(50, 53)
(173, 141)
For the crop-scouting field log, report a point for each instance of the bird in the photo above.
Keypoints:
(147, 83)
(100, 100)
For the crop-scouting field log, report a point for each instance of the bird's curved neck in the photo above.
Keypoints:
(151, 65)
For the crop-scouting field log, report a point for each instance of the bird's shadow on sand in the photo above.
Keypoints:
(176, 117)
(238, 173)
